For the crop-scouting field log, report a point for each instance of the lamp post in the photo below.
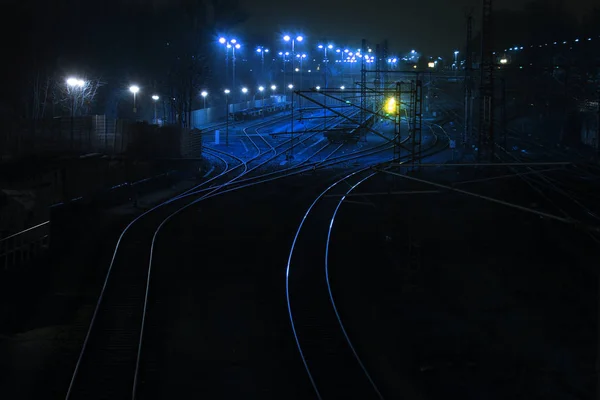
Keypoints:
(284, 58)
(234, 46)
(204, 93)
(227, 91)
(134, 89)
(245, 92)
(74, 84)
(456, 59)
(225, 43)
(261, 89)
(262, 50)
(155, 98)
(326, 61)
(291, 87)
(341, 54)
(298, 38)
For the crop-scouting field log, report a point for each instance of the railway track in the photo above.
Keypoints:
(108, 366)
(566, 190)
(331, 361)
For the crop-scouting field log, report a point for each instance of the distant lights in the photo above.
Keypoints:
(318, 88)
(226, 91)
(273, 87)
(261, 88)
(290, 86)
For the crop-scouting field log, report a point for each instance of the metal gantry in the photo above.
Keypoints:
(416, 119)
(363, 86)
(486, 89)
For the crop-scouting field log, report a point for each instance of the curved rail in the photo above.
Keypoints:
(326, 264)
(193, 191)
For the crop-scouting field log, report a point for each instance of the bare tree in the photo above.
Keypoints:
(77, 98)
(40, 90)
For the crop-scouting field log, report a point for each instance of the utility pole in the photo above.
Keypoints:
(468, 82)
(486, 89)
(503, 110)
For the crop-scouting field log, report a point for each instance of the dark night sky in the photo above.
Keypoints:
(429, 25)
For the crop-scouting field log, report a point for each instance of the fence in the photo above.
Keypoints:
(94, 133)
(24, 246)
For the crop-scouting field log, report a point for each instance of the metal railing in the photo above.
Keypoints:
(24, 246)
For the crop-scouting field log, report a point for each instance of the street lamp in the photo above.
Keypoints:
(134, 89)
(155, 97)
(456, 58)
(74, 84)
(298, 38)
(301, 57)
(342, 87)
(325, 60)
(204, 93)
(228, 46)
(291, 87)
(234, 46)
(227, 91)
(261, 89)
(245, 91)
(262, 50)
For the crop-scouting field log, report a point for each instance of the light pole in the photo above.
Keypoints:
(224, 42)
(456, 59)
(298, 38)
(262, 50)
(234, 45)
(134, 89)
(261, 89)
(291, 87)
(326, 62)
(274, 90)
(204, 93)
(341, 53)
(74, 84)
(245, 92)
(283, 57)
(155, 98)
(227, 91)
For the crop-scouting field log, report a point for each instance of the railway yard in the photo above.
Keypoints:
(298, 267)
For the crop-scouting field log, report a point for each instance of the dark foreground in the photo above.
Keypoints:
(442, 295)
